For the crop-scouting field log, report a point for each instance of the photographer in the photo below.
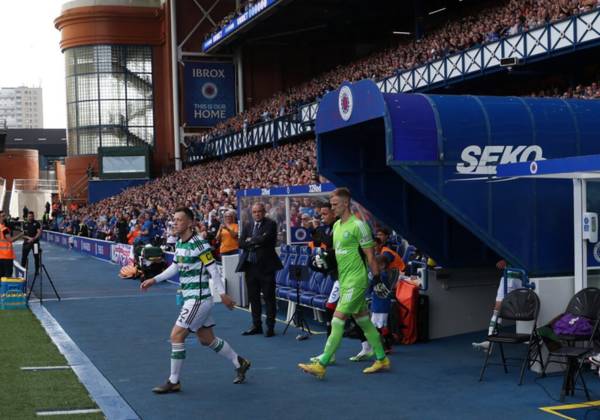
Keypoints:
(32, 231)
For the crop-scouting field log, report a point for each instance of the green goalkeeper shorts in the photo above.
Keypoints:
(352, 300)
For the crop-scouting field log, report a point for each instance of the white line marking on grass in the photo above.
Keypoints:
(45, 367)
(102, 392)
(69, 412)
(140, 295)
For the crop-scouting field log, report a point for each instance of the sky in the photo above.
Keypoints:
(30, 53)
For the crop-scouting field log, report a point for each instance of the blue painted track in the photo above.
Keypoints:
(124, 333)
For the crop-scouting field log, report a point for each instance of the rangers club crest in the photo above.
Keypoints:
(345, 103)
(209, 90)
(596, 252)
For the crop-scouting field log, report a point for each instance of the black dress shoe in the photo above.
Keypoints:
(270, 332)
(253, 331)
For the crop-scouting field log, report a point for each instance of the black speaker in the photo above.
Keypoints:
(2, 141)
(509, 62)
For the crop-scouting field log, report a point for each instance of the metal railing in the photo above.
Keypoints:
(78, 189)
(536, 44)
(50, 185)
(2, 192)
(261, 134)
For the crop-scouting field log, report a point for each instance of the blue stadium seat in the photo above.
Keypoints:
(301, 260)
(306, 296)
(284, 255)
(410, 250)
(320, 301)
(282, 280)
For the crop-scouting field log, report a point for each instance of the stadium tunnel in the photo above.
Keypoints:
(422, 164)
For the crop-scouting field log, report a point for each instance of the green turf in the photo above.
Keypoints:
(23, 342)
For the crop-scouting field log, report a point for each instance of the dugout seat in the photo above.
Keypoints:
(282, 286)
(320, 301)
(306, 296)
(302, 260)
(284, 254)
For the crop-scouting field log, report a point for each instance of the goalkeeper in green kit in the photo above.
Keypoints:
(351, 238)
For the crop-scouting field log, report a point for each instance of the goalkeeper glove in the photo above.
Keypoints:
(380, 288)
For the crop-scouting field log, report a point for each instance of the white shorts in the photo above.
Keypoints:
(512, 284)
(334, 295)
(379, 319)
(196, 314)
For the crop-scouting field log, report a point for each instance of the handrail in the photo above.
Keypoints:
(77, 189)
(2, 192)
(535, 44)
(35, 185)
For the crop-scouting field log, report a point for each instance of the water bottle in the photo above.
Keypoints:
(179, 298)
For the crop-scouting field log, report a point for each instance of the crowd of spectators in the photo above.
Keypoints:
(493, 22)
(142, 213)
(232, 15)
(210, 189)
(590, 91)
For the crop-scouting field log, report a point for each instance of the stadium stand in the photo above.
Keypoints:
(211, 186)
(491, 23)
(208, 188)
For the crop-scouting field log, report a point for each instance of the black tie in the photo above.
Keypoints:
(252, 254)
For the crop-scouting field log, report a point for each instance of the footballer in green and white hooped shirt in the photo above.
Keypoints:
(194, 263)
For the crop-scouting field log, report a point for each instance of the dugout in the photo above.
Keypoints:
(286, 205)
(411, 159)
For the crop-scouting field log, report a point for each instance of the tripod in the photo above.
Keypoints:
(296, 274)
(40, 273)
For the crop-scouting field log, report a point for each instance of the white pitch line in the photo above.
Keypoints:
(101, 390)
(69, 412)
(139, 295)
(45, 367)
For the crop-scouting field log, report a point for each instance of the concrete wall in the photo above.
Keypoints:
(461, 301)
(35, 201)
(19, 164)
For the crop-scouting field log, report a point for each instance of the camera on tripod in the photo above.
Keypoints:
(37, 251)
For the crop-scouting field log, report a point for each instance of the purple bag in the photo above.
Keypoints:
(570, 324)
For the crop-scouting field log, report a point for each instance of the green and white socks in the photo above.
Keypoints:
(222, 348)
(177, 358)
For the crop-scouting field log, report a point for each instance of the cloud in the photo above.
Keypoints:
(31, 46)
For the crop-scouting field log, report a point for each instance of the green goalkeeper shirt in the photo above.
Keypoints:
(348, 237)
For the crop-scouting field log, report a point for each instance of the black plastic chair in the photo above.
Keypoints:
(519, 305)
(585, 303)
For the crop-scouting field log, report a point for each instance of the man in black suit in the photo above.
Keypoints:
(260, 262)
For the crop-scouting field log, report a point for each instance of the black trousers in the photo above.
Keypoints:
(258, 281)
(6, 268)
(27, 248)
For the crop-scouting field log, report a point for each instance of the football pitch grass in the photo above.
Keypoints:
(24, 343)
